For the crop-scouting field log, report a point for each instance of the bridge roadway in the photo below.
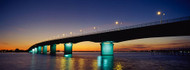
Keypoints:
(178, 28)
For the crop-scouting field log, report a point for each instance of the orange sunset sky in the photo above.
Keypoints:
(130, 45)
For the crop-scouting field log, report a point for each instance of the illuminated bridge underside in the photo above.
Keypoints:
(162, 30)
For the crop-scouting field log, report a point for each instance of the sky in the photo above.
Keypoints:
(24, 23)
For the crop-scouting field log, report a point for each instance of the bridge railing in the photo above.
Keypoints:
(144, 25)
(136, 26)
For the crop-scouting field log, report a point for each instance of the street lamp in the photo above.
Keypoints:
(71, 33)
(63, 35)
(94, 27)
(118, 25)
(161, 14)
(81, 30)
(158, 13)
(116, 22)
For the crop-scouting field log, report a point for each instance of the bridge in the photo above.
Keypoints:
(164, 28)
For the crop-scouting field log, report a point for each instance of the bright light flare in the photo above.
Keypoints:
(80, 30)
(116, 22)
(164, 14)
(158, 13)
(63, 35)
(94, 27)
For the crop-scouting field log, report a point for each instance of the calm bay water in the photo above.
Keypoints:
(93, 61)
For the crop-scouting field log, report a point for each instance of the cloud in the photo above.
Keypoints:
(140, 46)
(177, 43)
(134, 47)
(4, 43)
(124, 49)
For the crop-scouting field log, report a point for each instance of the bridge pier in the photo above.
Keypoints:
(45, 49)
(30, 51)
(39, 49)
(68, 49)
(35, 50)
(107, 48)
(53, 49)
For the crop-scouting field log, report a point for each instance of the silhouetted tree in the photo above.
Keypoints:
(17, 50)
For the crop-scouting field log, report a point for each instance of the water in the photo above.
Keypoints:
(92, 61)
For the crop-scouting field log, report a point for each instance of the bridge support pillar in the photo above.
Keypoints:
(39, 49)
(68, 49)
(30, 51)
(35, 50)
(45, 49)
(53, 49)
(107, 48)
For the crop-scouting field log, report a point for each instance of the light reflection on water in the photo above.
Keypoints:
(92, 61)
(105, 62)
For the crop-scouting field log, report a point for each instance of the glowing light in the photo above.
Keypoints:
(53, 49)
(81, 64)
(68, 44)
(107, 48)
(39, 49)
(105, 62)
(35, 49)
(62, 63)
(45, 49)
(99, 60)
(94, 64)
(107, 43)
(116, 22)
(30, 51)
(164, 14)
(63, 35)
(161, 14)
(118, 66)
(71, 33)
(158, 13)
(68, 48)
(94, 27)
(80, 30)
(68, 55)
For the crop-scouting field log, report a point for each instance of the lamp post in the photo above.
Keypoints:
(63, 35)
(81, 31)
(161, 14)
(71, 33)
(117, 24)
(94, 28)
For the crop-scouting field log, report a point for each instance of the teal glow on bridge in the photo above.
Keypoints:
(68, 49)
(45, 49)
(107, 48)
